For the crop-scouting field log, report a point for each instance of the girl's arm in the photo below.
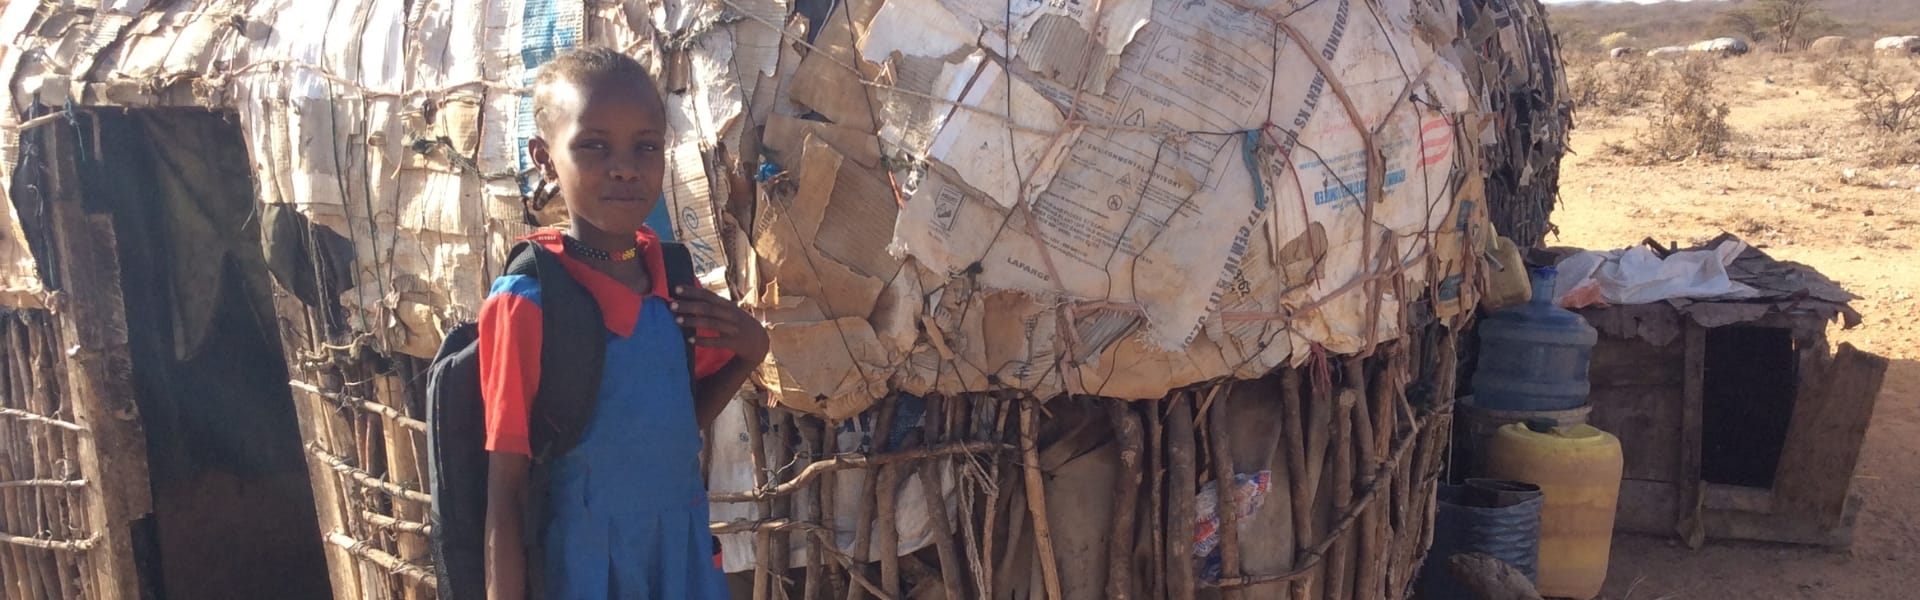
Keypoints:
(510, 345)
(506, 505)
(714, 391)
(734, 330)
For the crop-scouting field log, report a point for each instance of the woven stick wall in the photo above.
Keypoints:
(1350, 463)
(46, 536)
(367, 447)
(1349, 469)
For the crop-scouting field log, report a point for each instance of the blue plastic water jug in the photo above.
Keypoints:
(1534, 356)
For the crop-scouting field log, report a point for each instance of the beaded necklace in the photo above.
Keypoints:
(577, 247)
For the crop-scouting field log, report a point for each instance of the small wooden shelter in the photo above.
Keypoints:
(1738, 419)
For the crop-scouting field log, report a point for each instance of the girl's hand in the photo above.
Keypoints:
(733, 328)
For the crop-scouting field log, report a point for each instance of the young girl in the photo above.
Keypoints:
(627, 508)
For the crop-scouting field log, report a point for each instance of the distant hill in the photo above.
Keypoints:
(1580, 25)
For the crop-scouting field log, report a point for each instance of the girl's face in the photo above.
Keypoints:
(604, 143)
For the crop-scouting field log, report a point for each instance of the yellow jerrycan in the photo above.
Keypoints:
(1578, 468)
(1507, 282)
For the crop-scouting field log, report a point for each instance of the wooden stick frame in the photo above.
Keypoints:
(1362, 435)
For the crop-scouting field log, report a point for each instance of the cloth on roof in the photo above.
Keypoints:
(1776, 287)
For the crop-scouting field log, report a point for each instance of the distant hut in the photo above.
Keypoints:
(1721, 47)
(1898, 45)
(1668, 52)
(1832, 44)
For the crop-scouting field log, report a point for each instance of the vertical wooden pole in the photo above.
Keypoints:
(47, 449)
(319, 426)
(863, 516)
(930, 471)
(1228, 505)
(997, 504)
(1340, 557)
(1691, 520)
(1126, 493)
(886, 528)
(1392, 383)
(1037, 498)
(1016, 529)
(93, 322)
(1156, 498)
(1302, 494)
(405, 468)
(810, 442)
(829, 514)
(762, 539)
(1367, 566)
(1324, 412)
(780, 455)
(1182, 479)
(43, 388)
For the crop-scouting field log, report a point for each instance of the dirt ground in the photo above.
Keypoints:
(1783, 185)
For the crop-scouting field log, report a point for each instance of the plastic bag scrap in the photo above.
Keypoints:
(1251, 491)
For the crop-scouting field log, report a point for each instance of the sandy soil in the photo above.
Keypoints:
(1784, 187)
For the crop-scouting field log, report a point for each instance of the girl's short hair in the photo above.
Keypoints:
(584, 67)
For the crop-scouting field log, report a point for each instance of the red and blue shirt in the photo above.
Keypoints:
(510, 334)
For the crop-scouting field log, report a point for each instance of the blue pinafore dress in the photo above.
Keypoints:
(628, 506)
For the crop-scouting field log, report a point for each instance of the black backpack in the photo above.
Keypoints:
(572, 356)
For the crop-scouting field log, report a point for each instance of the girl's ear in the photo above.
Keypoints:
(541, 154)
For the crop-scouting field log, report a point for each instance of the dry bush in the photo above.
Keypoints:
(1583, 83)
(1686, 119)
(1886, 91)
(1828, 73)
(1611, 85)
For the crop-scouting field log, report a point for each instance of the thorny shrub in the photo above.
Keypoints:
(1886, 93)
(1686, 121)
(1827, 71)
(1610, 86)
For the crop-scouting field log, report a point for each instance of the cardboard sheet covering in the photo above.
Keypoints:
(1204, 216)
(1112, 198)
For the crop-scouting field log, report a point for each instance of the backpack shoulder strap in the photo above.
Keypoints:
(522, 261)
(680, 273)
(572, 352)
